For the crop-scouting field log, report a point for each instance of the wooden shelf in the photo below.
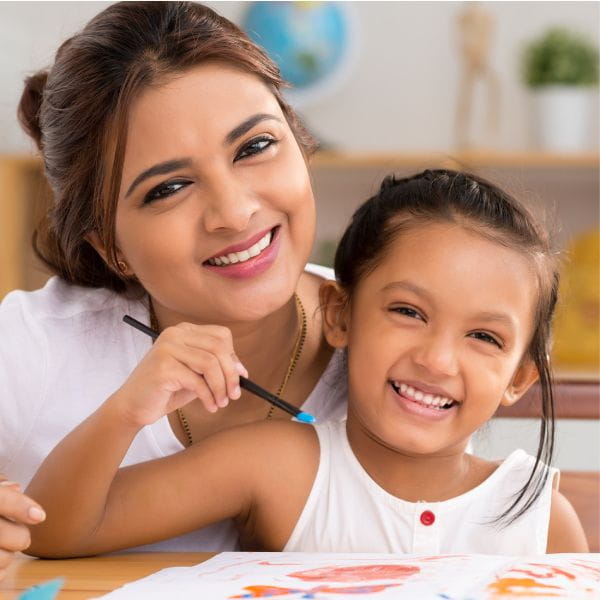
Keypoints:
(449, 159)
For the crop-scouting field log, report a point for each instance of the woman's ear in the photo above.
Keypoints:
(526, 375)
(96, 243)
(334, 305)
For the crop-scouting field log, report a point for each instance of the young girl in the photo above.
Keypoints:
(443, 304)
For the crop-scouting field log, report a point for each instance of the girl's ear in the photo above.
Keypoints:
(526, 375)
(334, 305)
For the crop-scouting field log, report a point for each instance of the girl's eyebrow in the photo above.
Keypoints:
(179, 163)
(486, 316)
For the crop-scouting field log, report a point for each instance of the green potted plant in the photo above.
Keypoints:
(561, 68)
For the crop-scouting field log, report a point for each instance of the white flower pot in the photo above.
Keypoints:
(565, 118)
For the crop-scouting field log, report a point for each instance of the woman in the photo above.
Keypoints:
(181, 197)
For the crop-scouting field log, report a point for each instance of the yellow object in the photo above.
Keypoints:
(577, 325)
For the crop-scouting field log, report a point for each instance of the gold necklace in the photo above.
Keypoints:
(295, 357)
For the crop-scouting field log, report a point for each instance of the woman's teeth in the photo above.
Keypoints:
(427, 399)
(244, 255)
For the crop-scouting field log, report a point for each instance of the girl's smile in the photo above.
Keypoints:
(416, 400)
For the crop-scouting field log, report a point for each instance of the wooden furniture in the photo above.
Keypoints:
(91, 577)
(573, 400)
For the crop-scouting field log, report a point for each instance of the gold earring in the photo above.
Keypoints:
(122, 267)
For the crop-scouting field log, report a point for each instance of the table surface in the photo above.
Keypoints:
(91, 577)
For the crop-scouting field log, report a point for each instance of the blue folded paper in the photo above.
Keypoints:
(43, 591)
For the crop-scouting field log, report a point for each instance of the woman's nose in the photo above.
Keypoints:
(229, 205)
(438, 355)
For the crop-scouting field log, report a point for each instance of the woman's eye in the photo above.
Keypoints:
(407, 311)
(255, 146)
(164, 190)
(486, 337)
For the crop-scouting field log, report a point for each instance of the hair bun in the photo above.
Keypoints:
(30, 104)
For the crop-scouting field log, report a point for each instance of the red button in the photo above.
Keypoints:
(427, 517)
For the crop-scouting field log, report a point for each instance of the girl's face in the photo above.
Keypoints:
(436, 335)
(216, 214)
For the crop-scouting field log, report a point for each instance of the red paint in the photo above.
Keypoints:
(264, 591)
(427, 518)
(550, 571)
(357, 573)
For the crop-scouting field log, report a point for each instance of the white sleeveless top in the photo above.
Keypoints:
(347, 511)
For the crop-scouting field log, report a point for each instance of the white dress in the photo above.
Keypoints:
(347, 511)
(64, 350)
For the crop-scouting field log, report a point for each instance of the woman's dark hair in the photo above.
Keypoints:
(77, 113)
(451, 197)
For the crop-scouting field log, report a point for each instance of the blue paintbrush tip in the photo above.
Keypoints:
(305, 417)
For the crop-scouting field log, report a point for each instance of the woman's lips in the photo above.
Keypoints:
(253, 265)
(241, 246)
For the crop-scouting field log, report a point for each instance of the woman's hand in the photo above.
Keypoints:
(17, 511)
(186, 362)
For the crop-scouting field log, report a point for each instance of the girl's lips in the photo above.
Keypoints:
(418, 409)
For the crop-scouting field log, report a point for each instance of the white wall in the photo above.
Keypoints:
(402, 92)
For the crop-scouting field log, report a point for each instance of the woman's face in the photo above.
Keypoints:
(216, 214)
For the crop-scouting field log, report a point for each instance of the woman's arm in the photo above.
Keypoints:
(93, 507)
(565, 533)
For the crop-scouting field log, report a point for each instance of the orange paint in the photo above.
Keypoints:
(513, 586)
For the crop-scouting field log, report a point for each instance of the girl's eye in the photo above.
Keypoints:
(255, 146)
(407, 311)
(164, 190)
(486, 337)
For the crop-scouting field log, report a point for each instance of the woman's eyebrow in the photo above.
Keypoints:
(159, 169)
(247, 125)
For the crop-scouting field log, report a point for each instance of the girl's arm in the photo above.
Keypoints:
(565, 533)
(93, 507)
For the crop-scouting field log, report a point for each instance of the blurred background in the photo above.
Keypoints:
(508, 90)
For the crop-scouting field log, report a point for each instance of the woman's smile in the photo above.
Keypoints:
(247, 259)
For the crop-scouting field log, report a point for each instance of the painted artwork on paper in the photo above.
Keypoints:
(299, 576)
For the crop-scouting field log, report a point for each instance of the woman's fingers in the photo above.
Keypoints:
(14, 537)
(18, 507)
(212, 356)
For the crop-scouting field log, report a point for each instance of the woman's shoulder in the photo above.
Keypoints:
(61, 300)
(320, 271)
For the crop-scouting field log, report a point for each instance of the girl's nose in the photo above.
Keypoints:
(437, 355)
(229, 205)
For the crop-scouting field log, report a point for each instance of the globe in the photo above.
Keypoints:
(309, 41)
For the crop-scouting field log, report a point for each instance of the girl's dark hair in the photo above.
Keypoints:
(452, 197)
(77, 113)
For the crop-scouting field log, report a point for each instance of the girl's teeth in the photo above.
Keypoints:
(244, 255)
(422, 398)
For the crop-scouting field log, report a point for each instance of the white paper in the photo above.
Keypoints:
(295, 576)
